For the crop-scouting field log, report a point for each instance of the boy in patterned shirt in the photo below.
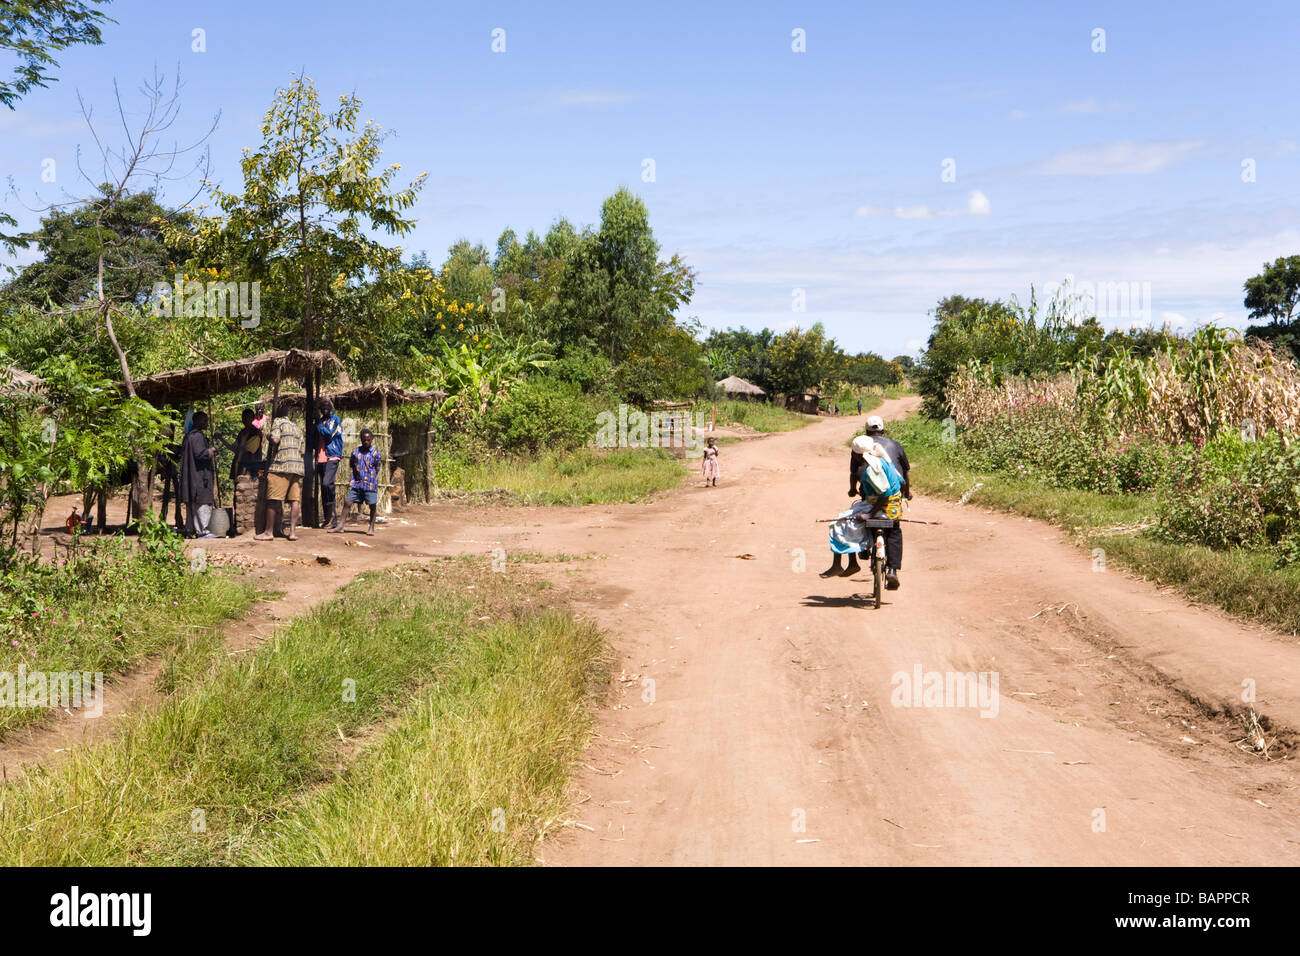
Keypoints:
(365, 481)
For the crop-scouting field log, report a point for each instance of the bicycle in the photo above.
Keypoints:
(877, 551)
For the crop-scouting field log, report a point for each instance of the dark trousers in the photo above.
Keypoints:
(894, 548)
(325, 474)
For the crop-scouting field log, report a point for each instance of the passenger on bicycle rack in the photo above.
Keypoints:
(880, 486)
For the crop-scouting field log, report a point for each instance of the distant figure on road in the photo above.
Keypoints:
(711, 470)
(859, 406)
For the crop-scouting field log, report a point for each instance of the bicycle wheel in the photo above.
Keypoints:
(876, 578)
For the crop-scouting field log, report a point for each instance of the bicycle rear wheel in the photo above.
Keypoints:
(876, 577)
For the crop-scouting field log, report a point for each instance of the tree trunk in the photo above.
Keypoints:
(309, 511)
(142, 486)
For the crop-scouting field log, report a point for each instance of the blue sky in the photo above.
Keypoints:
(777, 171)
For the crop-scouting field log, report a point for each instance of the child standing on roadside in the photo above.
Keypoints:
(711, 470)
(365, 481)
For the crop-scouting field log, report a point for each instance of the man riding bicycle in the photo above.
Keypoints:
(881, 487)
(893, 538)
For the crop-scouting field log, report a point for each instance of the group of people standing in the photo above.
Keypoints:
(268, 472)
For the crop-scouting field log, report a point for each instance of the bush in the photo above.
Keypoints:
(1234, 493)
(1043, 442)
(583, 368)
(539, 413)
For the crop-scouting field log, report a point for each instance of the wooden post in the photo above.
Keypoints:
(428, 457)
(384, 473)
(309, 435)
(266, 459)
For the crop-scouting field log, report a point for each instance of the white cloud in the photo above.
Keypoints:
(584, 99)
(27, 124)
(1118, 159)
(977, 204)
(1019, 114)
(1091, 105)
(913, 212)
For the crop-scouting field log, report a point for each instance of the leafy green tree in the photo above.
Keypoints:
(79, 431)
(615, 291)
(127, 228)
(302, 226)
(33, 32)
(869, 369)
(1274, 295)
(802, 360)
(750, 353)
(1275, 292)
(466, 275)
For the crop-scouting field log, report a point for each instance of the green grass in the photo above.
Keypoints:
(107, 611)
(759, 416)
(872, 397)
(583, 477)
(385, 726)
(1241, 582)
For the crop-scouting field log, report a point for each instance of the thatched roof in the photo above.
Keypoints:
(194, 384)
(359, 397)
(734, 385)
(16, 379)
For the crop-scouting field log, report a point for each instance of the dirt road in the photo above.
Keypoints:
(754, 722)
(755, 718)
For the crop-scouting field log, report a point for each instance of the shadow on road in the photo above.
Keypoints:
(852, 600)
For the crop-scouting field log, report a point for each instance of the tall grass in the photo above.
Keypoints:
(106, 610)
(1240, 581)
(582, 477)
(238, 765)
(760, 416)
(476, 774)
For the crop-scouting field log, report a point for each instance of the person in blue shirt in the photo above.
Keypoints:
(365, 481)
(329, 451)
(847, 534)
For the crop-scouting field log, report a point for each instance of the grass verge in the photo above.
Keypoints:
(759, 416)
(385, 726)
(587, 476)
(107, 610)
(1241, 582)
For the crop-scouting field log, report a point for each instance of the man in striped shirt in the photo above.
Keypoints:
(284, 474)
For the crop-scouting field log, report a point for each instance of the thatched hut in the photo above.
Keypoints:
(806, 402)
(735, 387)
(187, 385)
(408, 445)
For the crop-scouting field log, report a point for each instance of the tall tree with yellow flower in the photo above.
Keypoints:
(314, 196)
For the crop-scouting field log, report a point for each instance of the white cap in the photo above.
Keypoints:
(875, 423)
(864, 445)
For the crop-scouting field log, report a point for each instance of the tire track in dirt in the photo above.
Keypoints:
(772, 691)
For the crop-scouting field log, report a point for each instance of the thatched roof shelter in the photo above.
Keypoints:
(186, 385)
(358, 397)
(734, 385)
